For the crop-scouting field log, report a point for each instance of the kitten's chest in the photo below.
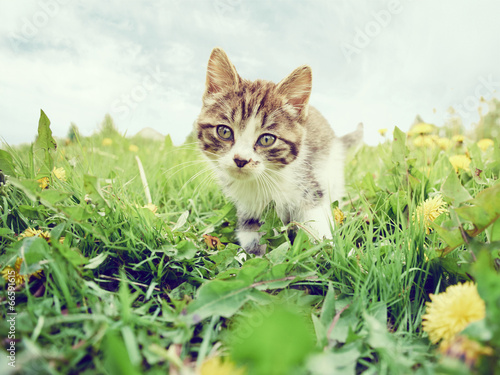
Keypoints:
(286, 188)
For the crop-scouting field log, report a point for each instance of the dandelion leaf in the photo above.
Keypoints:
(220, 297)
(77, 213)
(185, 250)
(399, 149)
(32, 250)
(253, 268)
(31, 212)
(53, 196)
(223, 259)
(30, 187)
(483, 210)
(6, 163)
(398, 201)
(454, 191)
(368, 185)
(168, 142)
(116, 356)
(494, 231)
(328, 308)
(274, 345)
(44, 144)
(45, 140)
(279, 254)
(488, 287)
(452, 237)
(72, 255)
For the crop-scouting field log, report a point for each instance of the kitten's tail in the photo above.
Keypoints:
(353, 139)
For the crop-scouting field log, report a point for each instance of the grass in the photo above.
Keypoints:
(128, 288)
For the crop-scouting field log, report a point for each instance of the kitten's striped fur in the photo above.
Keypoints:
(302, 171)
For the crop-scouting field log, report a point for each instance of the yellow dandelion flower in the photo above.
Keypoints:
(444, 143)
(460, 162)
(31, 232)
(60, 173)
(9, 273)
(107, 142)
(423, 141)
(338, 216)
(43, 182)
(458, 138)
(133, 148)
(382, 131)
(428, 211)
(216, 366)
(463, 348)
(421, 128)
(485, 143)
(450, 312)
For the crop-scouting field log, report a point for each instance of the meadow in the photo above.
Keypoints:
(118, 256)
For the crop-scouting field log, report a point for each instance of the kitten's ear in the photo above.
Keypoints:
(297, 88)
(221, 73)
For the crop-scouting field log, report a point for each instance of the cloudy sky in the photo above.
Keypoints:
(143, 62)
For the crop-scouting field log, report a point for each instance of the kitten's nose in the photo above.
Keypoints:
(240, 162)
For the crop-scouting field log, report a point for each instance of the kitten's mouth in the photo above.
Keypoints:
(240, 173)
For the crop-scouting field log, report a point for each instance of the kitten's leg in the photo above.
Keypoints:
(287, 214)
(320, 219)
(249, 236)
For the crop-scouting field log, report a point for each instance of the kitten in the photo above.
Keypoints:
(268, 145)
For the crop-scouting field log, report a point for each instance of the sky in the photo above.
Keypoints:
(144, 62)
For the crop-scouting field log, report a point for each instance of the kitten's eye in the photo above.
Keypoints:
(266, 140)
(225, 132)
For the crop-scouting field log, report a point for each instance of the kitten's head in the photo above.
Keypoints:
(249, 127)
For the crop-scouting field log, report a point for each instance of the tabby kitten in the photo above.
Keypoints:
(268, 145)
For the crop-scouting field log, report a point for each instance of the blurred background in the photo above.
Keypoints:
(377, 62)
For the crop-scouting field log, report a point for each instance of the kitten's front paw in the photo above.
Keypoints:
(249, 240)
(255, 248)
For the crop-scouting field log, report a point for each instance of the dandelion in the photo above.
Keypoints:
(444, 143)
(423, 141)
(107, 142)
(460, 162)
(31, 232)
(421, 128)
(59, 173)
(43, 182)
(458, 138)
(485, 143)
(382, 131)
(338, 216)
(428, 211)
(15, 273)
(450, 312)
(133, 148)
(216, 366)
